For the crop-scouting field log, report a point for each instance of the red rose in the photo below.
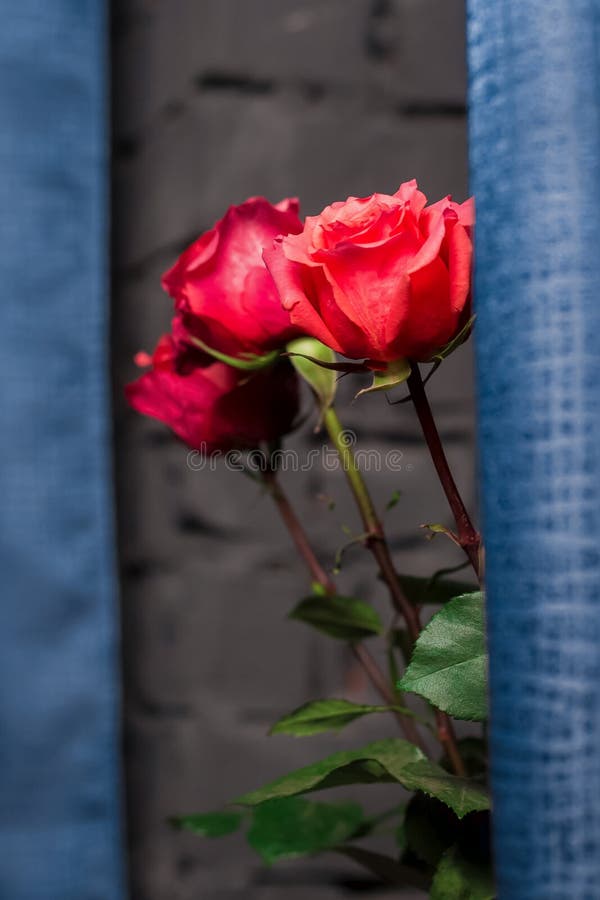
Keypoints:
(210, 405)
(221, 286)
(381, 277)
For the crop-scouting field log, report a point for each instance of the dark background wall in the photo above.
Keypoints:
(216, 100)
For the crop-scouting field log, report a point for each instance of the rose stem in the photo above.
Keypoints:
(467, 535)
(297, 532)
(377, 544)
(318, 574)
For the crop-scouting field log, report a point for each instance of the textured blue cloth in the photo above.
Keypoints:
(535, 157)
(60, 834)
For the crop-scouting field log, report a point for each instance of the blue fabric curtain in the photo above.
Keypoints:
(60, 833)
(535, 157)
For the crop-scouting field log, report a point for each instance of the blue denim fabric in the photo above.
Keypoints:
(535, 158)
(60, 805)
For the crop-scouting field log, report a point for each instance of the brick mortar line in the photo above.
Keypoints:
(370, 97)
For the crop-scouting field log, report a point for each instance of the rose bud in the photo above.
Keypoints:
(220, 284)
(209, 405)
(381, 277)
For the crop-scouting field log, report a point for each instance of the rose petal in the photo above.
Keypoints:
(409, 193)
(371, 288)
(292, 280)
(221, 278)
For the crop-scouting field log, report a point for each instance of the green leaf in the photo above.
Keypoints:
(327, 715)
(384, 867)
(307, 356)
(248, 362)
(448, 666)
(291, 827)
(339, 556)
(394, 499)
(437, 528)
(394, 374)
(318, 589)
(462, 795)
(211, 825)
(339, 617)
(391, 760)
(458, 879)
(421, 591)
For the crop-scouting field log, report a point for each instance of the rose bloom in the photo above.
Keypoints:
(209, 405)
(381, 277)
(221, 286)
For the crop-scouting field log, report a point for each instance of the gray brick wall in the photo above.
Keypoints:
(216, 100)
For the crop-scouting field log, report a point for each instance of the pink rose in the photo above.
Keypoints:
(381, 277)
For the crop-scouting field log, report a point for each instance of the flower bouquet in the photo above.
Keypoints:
(263, 303)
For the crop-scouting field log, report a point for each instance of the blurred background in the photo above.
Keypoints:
(216, 100)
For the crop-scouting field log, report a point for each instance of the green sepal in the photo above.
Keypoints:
(462, 336)
(247, 362)
(307, 356)
(345, 368)
(395, 373)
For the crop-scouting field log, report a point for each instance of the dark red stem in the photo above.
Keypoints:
(468, 536)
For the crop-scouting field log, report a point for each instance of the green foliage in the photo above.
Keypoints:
(340, 617)
(462, 795)
(285, 828)
(458, 879)
(326, 715)
(448, 666)
(294, 826)
(211, 825)
(391, 760)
